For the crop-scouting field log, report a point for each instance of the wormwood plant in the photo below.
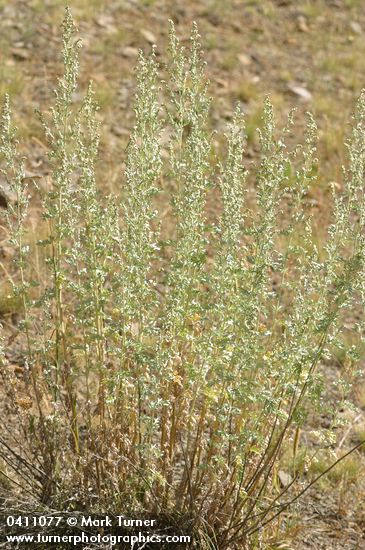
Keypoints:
(167, 376)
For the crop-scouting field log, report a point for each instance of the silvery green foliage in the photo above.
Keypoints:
(15, 216)
(180, 399)
(15, 213)
(57, 207)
